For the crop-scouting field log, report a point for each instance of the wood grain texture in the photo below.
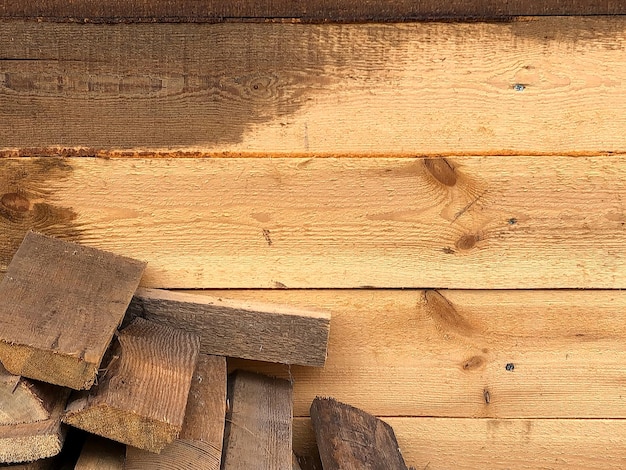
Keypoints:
(141, 396)
(437, 354)
(101, 454)
(114, 11)
(351, 439)
(199, 445)
(249, 330)
(61, 304)
(466, 222)
(258, 431)
(30, 419)
(496, 444)
(532, 86)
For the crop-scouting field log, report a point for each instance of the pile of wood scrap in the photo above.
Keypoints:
(143, 373)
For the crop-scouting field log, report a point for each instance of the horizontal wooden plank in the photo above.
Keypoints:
(468, 444)
(499, 354)
(464, 222)
(532, 86)
(312, 10)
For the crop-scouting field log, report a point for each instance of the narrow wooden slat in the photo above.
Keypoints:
(496, 444)
(437, 354)
(199, 445)
(538, 85)
(43, 464)
(313, 10)
(101, 454)
(61, 304)
(464, 222)
(258, 430)
(249, 330)
(141, 396)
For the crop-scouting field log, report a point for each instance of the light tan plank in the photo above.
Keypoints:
(249, 330)
(539, 85)
(141, 395)
(101, 454)
(437, 357)
(468, 444)
(466, 222)
(61, 304)
(199, 445)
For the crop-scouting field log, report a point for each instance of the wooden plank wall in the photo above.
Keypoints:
(440, 187)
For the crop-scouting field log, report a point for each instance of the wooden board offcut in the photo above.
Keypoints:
(141, 396)
(463, 222)
(249, 330)
(199, 445)
(258, 431)
(61, 304)
(499, 444)
(531, 86)
(101, 454)
(114, 11)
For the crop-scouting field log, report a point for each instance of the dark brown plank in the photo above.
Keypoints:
(199, 445)
(61, 304)
(249, 330)
(43, 464)
(309, 11)
(258, 430)
(141, 396)
(351, 439)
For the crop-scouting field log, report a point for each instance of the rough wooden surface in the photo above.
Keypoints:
(114, 11)
(351, 439)
(538, 85)
(464, 222)
(499, 444)
(141, 395)
(258, 430)
(249, 330)
(101, 454)
(199, 445)
(42, 464)
(30, 419)
(61, 304)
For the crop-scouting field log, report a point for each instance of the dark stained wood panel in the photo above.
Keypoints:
(309, 11)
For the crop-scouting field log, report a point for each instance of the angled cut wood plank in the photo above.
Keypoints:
(499, 444)
(30, 419)
(114, 11)
(141, 397)
(534, 86)
(327, 222)
(61, 304)
(101, 454)
(351, 439)
(199, 445)
(250, 330)
(258, 423)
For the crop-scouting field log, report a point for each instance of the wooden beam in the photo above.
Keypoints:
(532, 86)
(249, 330)
(141, 396)
(199, 445)
(303, 223)
(30, 419)
(61, 304)
(258, 423)
(115, 11)
(101, 454)
(499, 444)
(351, 438)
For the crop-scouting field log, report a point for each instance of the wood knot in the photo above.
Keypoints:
(474, 363)
(467, 242)
(15, 202)
(441, 170)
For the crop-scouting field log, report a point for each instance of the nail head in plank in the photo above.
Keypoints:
(232, 328)
(258, 430)
(199, 445)
(141, 396)
(61, 303)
